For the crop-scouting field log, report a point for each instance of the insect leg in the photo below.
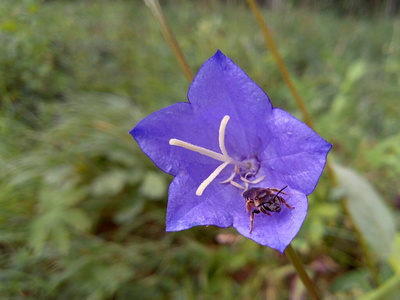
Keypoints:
(252, 219)
(249, 205)
(279, 191)
(284, 202)
(263, 210)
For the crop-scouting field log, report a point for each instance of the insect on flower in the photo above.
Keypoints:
(264, 200)
(224, 142)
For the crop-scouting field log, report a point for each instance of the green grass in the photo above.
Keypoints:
(83, 210)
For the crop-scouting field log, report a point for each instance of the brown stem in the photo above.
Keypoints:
(169, 36)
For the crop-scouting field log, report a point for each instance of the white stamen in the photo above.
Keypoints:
(230, 178)
(198, 149)
(210, 178)
(237, 170)
(235, 184)
(221, 139)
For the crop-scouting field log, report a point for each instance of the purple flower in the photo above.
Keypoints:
(227, 140)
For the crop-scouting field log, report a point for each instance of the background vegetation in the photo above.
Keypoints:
(83, 210)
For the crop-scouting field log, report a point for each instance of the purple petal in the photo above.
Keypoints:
(222, 88)
(296, 154)
(278, 230)
(176, 121)
(223, 206)
(216, 206)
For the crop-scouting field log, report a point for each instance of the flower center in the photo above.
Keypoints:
(246, 168)
(252, 166)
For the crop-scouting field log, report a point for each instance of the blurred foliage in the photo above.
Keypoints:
(83, 210)
(368, 211)
(361, 8)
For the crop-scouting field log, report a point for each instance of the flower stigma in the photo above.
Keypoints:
(246, 168)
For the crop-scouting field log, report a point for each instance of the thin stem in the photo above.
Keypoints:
(286, 76)
(279, 60)
(169, 36)
(307, 119)
(298, 265)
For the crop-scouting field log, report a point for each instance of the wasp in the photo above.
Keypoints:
(264, 200)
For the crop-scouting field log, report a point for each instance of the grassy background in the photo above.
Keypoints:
(83, 210)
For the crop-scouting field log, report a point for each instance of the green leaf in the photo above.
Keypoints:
(388, 291)
(110, 183)
(355, 72)
(49, 226)
(353, 282)
(52, 198)
(368, 211)
(129, 213)
(394, 259)
(154, 185)
(77, 218)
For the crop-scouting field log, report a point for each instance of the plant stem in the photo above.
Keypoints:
(286, 76)
(279, 60)
(307, 119)
(169, 36)
(298, 265)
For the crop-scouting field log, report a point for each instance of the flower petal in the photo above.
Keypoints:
(223, 206)
(295, 155)
(221, 86)
(177, 121)
(215, 207)
(278, 230)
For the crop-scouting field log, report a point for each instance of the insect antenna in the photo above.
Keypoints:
(279, 192)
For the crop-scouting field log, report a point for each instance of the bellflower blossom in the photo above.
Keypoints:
(226, 140)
